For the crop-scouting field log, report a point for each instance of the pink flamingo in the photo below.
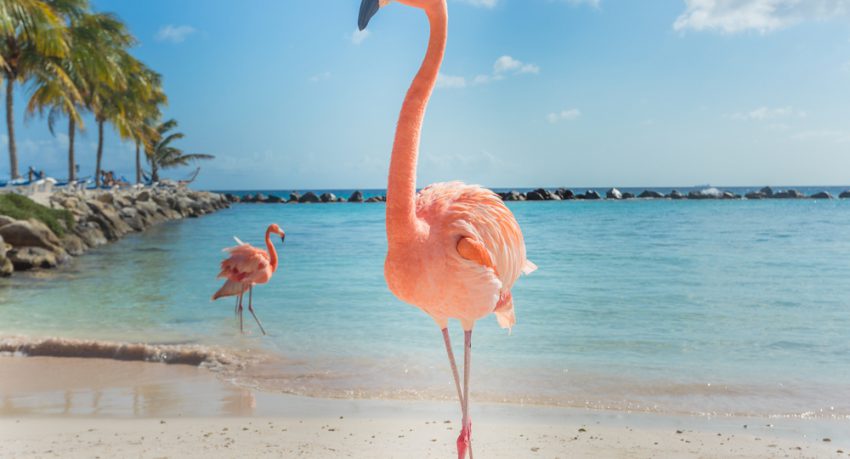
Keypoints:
(454, 250)
(245, 267)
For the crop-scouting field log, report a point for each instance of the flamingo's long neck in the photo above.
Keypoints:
(272, 251)
(401, 189)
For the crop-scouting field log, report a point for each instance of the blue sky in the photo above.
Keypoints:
(532, 92)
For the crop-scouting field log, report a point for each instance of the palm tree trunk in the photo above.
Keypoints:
(72, 129)
(10, 124)
(138, 164)
(99, 152)
(154, 172)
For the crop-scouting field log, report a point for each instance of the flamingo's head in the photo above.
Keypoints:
(368, 8)
(274, 228)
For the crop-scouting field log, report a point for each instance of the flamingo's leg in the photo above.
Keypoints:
(239, 312)
(251, 309)
(464, 441)
(448, 342)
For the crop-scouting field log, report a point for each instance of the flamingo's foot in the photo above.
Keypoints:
(464, 440)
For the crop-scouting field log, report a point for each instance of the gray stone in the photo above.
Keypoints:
(591, 195)
(110, 223)
(309, 197)
(821, 195)
(24, 258)
(32, 233)
(614, 193)
(328, 197)
(133, 218)
(374, 199)
(5, 220)
(755, 195)
(272, 199)
(628, 195)
(91, 233)
(106, 198)
(294, 197)
(73, 244)
(357, 196)
(766, 191)
(676, 194)
(513, 195)
(650, 194)
(844, 194)
(535, 196)
(707, 193)
(143, 196)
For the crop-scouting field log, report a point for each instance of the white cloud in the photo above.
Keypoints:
(767, 113)
(564, 115)
(358, 36)
(830, 135)
(481, 3)
(507, 64)
(504, 66)
(732, 16)
(450, 81)
(174, 34)
(320, 77)
(592, 3)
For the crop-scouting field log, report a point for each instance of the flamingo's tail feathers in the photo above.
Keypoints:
(505, 311)
(230, 288)
(528, 267)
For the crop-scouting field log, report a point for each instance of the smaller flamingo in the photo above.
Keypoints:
(245, 267)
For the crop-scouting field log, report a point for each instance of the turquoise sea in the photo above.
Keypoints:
(699, 307)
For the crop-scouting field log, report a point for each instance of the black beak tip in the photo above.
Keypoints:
(368, 8)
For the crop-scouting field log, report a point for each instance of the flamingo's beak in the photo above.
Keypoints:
(282, 237)
(368, 8)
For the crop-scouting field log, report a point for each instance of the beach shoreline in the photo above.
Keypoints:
(147, 409)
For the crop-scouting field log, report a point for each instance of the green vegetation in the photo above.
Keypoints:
(23, 208)
(162, 155)
(78, 62)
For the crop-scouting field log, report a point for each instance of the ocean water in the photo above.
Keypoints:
(697, 307)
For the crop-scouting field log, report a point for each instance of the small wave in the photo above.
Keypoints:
(183, 354)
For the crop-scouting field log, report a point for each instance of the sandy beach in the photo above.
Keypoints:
(70, 407)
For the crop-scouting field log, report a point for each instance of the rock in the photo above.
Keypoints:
(272, 199)
(260, 197)
(73, 244)
(591, 195)
(294, 197)
(112, 226)
(132, 218)
(328, 197)
(755, 195)
(6, 267)
(232, 198)
(614, 193)
(628, 195)
(535, 196)
(650, 194)
(512, 195)
(90, 233)
(707, 193)
(106, 198)
(843, 195)
(357, 196)
(309, 197)
(30, 233)
(730, 195)
(788, 194)
(565, 193)
(766, 191)
(341, 199)
(821, 195)
(374, 199)
(24, 258)
(143, 196)
(5, 220)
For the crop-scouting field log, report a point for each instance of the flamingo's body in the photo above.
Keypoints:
(245, 267)
(454, 250)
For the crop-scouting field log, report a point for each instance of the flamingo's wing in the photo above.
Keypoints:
(244, 261)
(238, 241)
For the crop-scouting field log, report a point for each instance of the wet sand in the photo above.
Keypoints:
(72, 407)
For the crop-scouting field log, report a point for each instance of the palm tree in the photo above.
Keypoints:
(142, 102)
(162, 155)
(86, 65)
(31, 32)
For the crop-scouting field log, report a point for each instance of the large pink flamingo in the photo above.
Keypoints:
(454, 250)
(245, 267)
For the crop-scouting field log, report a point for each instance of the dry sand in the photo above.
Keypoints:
(53, 407)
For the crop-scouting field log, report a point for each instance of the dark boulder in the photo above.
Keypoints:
(294, 197)
(232, 197)
(707, 193)
(650, 194)
(614, 193)
(309, 197)
(730, 195)
(357, 196)
(591, 195)
(565, 193)
(260, 197)
(535, 196)
(755, 195)
(272, 199)
(374, 199)
(788, 194)
(821, 195)
(628, 195)
(766, 191)
(24, 258)
(328, 197)
(676, 194)
(844, 194)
